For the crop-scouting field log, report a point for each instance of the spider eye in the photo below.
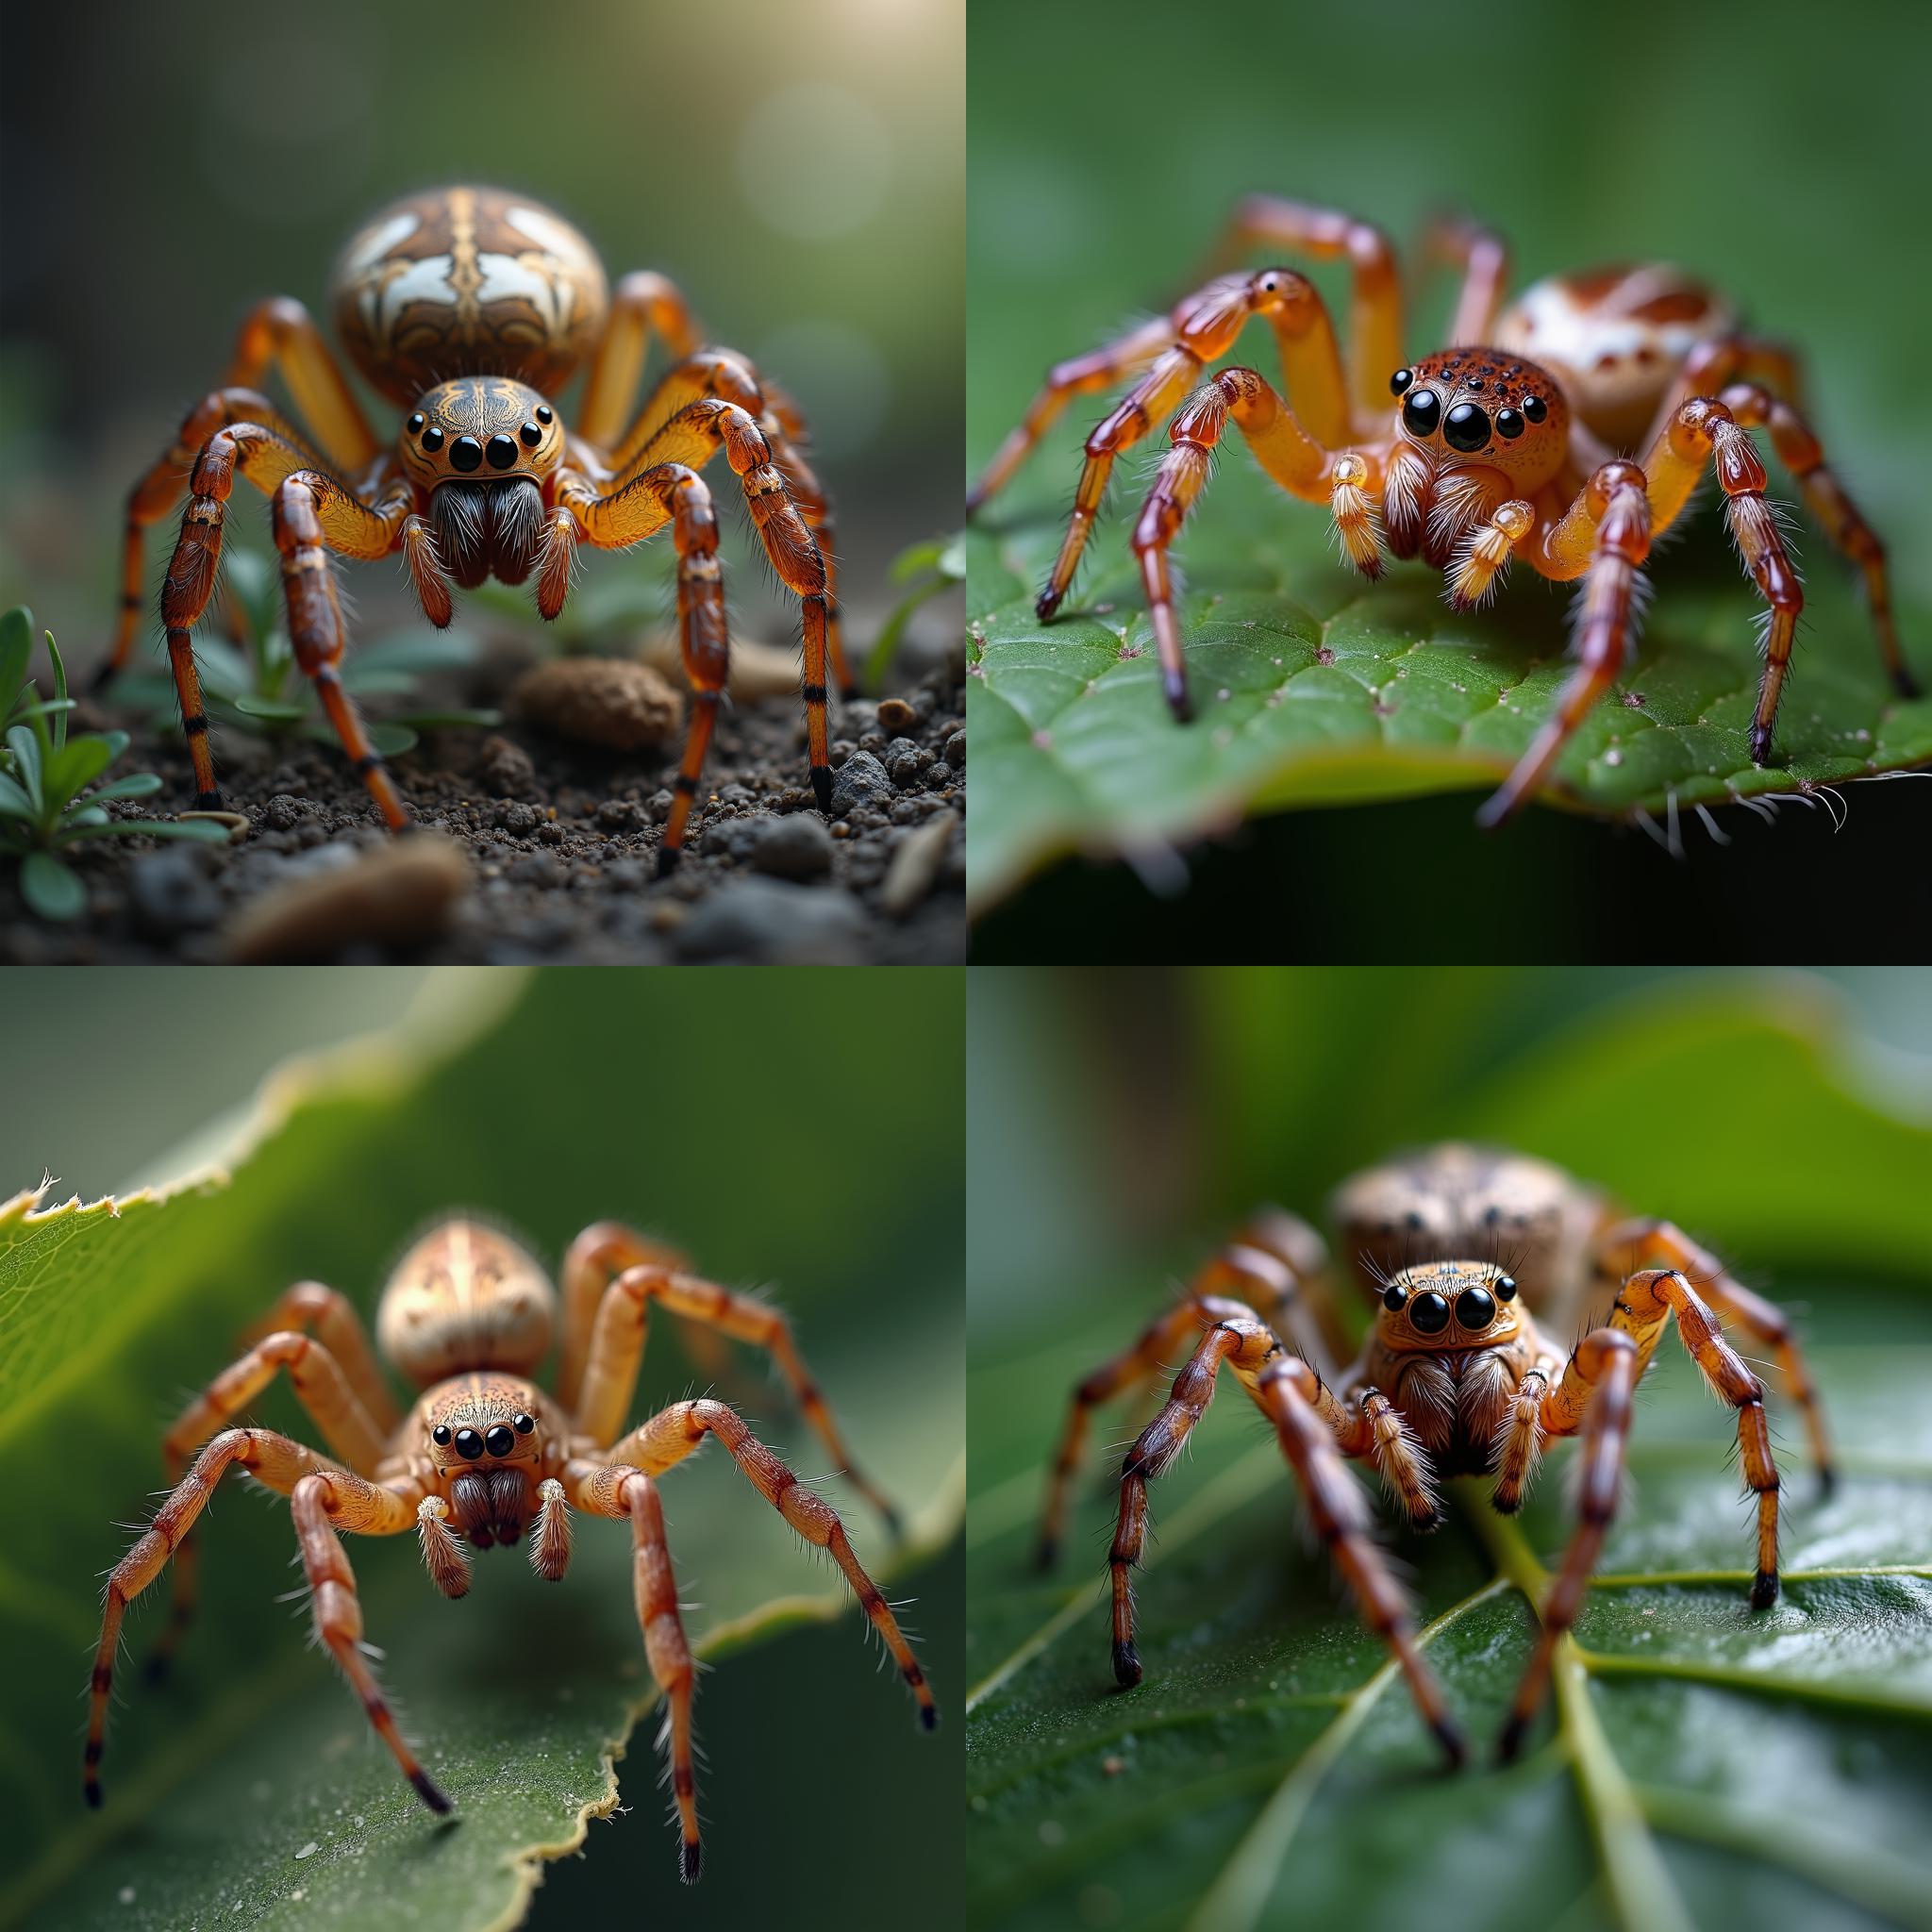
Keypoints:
(1510, 423)
(1475, 1308)
(1401, 380)
(1535, 409)
(502, 453)
(1394, 1299)
(525, 1423)
(1466, 427)
(1506, 1287)
(432, 439)
(1429, 1314)
(543, 412)
(1422, 412)
(440, 1435)
(465, 453)
(416, 423)
(531, 434)
(468, 1444)
(499, 1441)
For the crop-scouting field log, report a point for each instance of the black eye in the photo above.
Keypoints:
(1510, 423)
(1535, 409)
(1422, 412)
(1429, 1314)
(502, 451)
(1475, 1308)
(440, 1435)
(465, 453)
(1401, 380)
(531, 434)
(468, 1444)
(524, 1423)
(1393, 1300)
(1466, 427)
(416, 422)
(1506, 1287)
(543, 412)
(499, 1441)
(1473, 382)
(432, 439)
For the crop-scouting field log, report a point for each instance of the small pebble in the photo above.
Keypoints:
(796, 846)
(896, 717)
(606, 701)
(915, 867)
(171, 893)
(397, 895)
(772, 921)
(861, 782)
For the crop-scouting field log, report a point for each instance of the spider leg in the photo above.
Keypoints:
(604, 1249)
(311, 1307)
(618, 1490)
(1593, 1393)
(280, 333)
(674, 1433)
(1851, 535)
(1519, 1442)
(642, 304)
(325, 1392)
(1350, 478)
(1655, 1243)
(1483, 553)
(1705, 430)
(1483, 256)
(617, 1348)
(1607, 532)
(285, 1466)
(725, 376)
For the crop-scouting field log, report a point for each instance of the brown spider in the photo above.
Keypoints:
(485, 1453)
(470, 308)
(1458, 1377)
(1485, 455)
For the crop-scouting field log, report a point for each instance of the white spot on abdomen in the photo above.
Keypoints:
(373, 246)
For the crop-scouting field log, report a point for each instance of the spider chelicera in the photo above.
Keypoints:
(486, 1454)
(469, 308)
(1472, 457)
(1474, 1259)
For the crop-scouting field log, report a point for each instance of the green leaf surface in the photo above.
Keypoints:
(1701, 1764)
(51, 888)
(248, 1791)
(1312, 688)
(16, 647)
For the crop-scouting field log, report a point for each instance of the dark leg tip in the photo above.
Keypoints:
(1496, 811)
(1827, 1481)
(1126, 1666)
(1046, 604)
(1506, 1506)
(821, 790)
(895, 1523)
(929, 1716)
(1760, 745)
(104, 676)
(1904, 683)
(94, 1794)
(1765, 1589)
(159, 1667)
(1428, 1522)
(848, 693)
(1173, 684)
(1509, 1745)
(1450, 1739)
(667, 860)
(1047, 1556)
(974, 498)
(207, 800)
(691, 1861)
(431, 1794)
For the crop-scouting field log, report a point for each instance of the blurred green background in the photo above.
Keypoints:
(1770, 151)
(740, 1115)
(799, 173)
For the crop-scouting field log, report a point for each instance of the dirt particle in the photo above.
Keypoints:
(861, 783)
(399, 895)
(607, 700)
(896, 717)
(915, 866)
(795, 846)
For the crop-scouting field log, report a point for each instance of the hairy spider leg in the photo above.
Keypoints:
(641, 306)
(324, 1391)
(1349, 479)
(1483, 256)
(726, 375)
(1628, 1245)
(323, 1499)
(617, 1351)
(618, 1490)
(675, 1433)
(601, 1252)
(1593, 1393)
(311, 1308)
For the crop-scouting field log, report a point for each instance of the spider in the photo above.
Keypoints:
(1474, 456)
(486, 1453)
(469, 308)
(1474, 1258)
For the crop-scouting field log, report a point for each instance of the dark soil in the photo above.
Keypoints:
(562, 842)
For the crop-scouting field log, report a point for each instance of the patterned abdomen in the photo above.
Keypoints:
(467, 281)
(1615, 337)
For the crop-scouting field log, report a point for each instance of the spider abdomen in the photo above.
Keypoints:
(1614, 338)
(467, 281)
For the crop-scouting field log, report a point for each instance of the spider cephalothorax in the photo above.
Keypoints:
(1476, 1261)
(468, 309)
(487, 1456)
(1477, 455)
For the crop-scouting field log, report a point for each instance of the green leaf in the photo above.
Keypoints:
(15, 802)
(23, 742)
(51, 888)
(16, 648)
(205, 831)
(76, 765)
(1702, 1764)
(1312, 688)
(248, 1789)
(416, 649)
(930, 568)
(136, 785)
(60, 709)
(448, 718)
(276, 712)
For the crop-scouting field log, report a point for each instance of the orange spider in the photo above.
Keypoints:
(1473, 456)
(470, 308)
(486, 1454)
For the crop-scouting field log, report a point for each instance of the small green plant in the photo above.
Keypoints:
(925, 569)
(258, 687)
(44, 775)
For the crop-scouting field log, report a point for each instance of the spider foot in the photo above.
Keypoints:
(1905, 684)
(431, 1792)
(1047, 1556)
(1765, 1589)
(1827, 1481)
(1760, 744)
(1174, 683)
(1126, 1666)
(1509, 1744)
(207, 800)
(104, 676)
(1047, 604)
(821, 789)
(1450, 1739)
(667, 860)
(691, 1860)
